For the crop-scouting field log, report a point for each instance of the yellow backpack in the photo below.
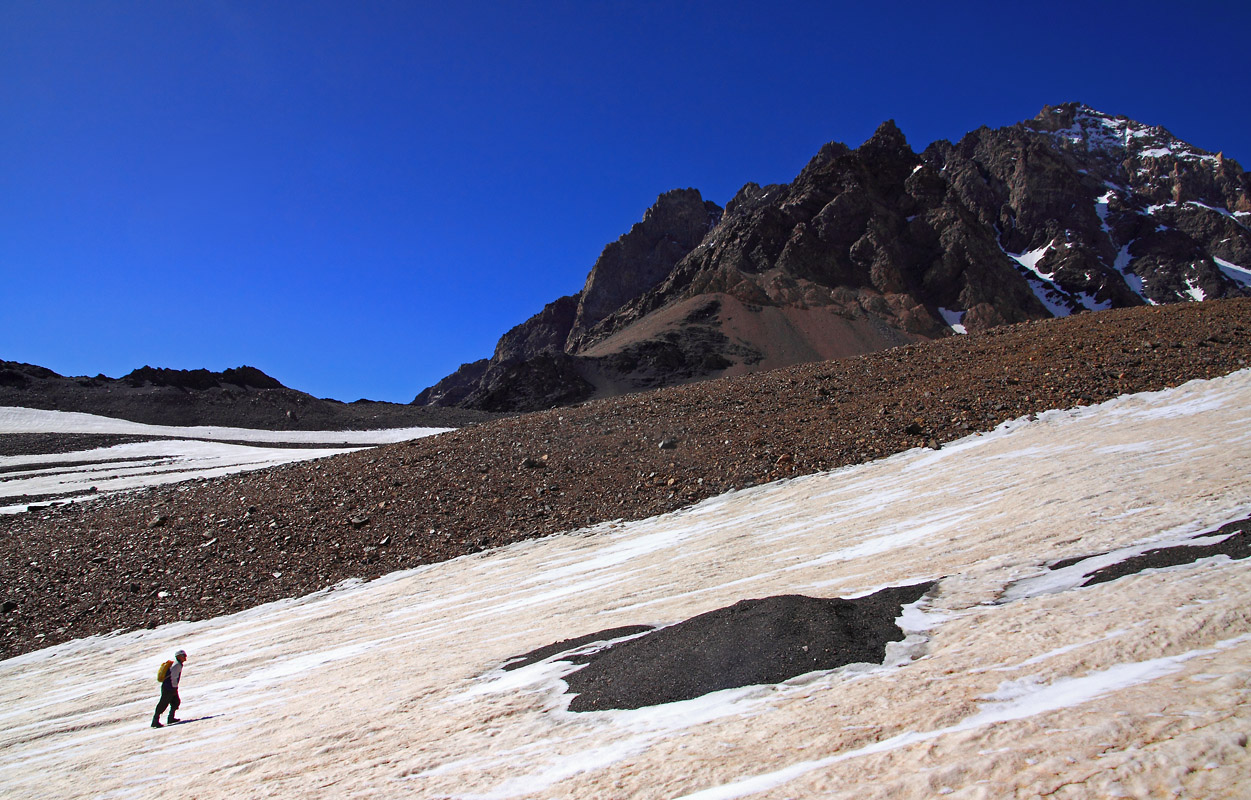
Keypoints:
(163, 671)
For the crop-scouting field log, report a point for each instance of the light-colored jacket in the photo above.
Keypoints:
(175, 672)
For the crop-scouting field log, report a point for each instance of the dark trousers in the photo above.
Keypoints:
(169, 699)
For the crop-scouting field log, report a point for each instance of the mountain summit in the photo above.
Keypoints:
(879, 246)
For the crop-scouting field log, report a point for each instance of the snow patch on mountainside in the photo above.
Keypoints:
(1132, 279)
(1054, 298)
(134, 466)
(1233, 271)
(954, 319)
(1120, 136)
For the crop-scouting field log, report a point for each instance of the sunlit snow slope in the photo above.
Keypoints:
(1007, 685)
(178, 454)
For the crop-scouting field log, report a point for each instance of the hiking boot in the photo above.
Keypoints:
(156, 723)
(172, 720)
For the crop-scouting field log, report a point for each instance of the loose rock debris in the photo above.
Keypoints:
(463, 492)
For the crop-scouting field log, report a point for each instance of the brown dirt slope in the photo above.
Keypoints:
(205, 548)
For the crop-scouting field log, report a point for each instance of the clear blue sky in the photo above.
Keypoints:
(358, 196)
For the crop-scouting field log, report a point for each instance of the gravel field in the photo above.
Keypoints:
(205, 548)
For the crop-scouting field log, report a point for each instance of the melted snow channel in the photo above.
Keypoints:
(393, 688)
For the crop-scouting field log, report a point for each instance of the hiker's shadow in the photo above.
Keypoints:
(194, 719)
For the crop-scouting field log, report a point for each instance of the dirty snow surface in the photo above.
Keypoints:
(1008, 683)
(174, 454)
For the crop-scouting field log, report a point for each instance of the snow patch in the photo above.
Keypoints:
(1234, 272)
(1048, 293)
(954, 319)
(1054, 581)
(1194, 291)
(30, 420)
(1015, 700)
(1132, 279)
(1030, 260)
(1101, 210)
(187, 453)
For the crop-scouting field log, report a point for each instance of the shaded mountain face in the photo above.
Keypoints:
(534, 365)
(880, 246)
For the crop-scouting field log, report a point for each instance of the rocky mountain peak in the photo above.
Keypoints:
(1075, 210)
(828, 152)
(1146, 158)
(545, 332)
(534, 364)
(887, 139)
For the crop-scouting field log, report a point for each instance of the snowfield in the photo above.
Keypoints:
(1012, 681)
(30, 420)
(181, 454)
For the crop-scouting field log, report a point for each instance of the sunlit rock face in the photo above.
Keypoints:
(872, 247)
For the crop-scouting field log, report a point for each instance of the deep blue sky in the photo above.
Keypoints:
(358, 196)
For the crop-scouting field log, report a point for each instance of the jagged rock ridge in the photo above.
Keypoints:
(1072, 211)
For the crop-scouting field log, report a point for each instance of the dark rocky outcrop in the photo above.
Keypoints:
(534, 364)
(201, 379)
(528, 370)
(452, 390)
(879, 246)
(545, 380)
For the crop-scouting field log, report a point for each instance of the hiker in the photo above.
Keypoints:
(169, 690)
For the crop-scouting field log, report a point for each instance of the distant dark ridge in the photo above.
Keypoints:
(242, 397)
(200, 379)
(18, 374)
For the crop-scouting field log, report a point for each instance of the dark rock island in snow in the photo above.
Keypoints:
(752, 642)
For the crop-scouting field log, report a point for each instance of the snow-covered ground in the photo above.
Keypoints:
(182, 453)
(1007, 685)
(30, 420)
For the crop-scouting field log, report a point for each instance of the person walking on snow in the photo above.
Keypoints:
(169, 691)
